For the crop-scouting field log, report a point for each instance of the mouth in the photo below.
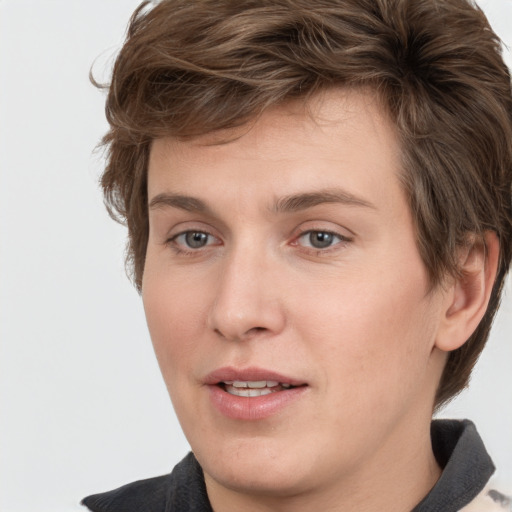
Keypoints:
(251, 394)
(251, 382)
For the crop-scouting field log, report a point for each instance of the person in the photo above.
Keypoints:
(318, 203)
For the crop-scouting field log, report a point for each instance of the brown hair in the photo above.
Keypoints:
(189, 67)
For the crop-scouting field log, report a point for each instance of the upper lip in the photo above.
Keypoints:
(230, 373)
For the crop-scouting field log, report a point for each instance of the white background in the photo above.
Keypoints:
(82, 405)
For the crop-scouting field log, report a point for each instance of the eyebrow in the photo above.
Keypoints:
(287, 204)
(303, 201)
(187, 203)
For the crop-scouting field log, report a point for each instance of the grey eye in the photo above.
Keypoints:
(321, 239)
(195, 239)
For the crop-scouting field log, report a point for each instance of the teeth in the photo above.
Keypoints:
(254, 384)
(262, 384)
(249, 392)
(253, 388)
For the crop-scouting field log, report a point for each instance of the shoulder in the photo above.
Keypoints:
(182, 490)
(149, 493)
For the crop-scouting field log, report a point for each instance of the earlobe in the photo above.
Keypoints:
(468, 294)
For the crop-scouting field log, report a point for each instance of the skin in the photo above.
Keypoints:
(356, 320)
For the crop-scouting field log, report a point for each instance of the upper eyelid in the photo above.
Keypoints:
(183, 232)
(191, 226)
(329, 231)
(342, 238)
(341, 231)
(175, 236)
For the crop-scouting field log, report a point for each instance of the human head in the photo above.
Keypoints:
(190, 67)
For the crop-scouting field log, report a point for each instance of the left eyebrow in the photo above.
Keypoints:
(299, 202)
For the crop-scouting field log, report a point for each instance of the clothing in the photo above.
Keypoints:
(457, 446)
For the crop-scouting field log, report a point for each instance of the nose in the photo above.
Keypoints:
(247, 302)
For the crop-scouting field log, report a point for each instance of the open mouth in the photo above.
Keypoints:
(252, 393)
(253, 388)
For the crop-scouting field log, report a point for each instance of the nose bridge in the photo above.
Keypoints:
(246, 302)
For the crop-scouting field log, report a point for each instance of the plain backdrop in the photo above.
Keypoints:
(82, 405)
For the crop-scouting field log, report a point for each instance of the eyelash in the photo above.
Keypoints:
(342, 241)
(182, 249)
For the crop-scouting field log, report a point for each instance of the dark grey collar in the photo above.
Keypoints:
(466, 465)
(183, 490)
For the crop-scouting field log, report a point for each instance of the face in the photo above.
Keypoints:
(286, 299)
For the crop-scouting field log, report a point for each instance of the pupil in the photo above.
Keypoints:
(320, 240)
(195, 240)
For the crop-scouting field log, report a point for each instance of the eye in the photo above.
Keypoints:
(320, 239)
(193, 239)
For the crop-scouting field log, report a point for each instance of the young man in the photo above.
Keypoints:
(318, 199)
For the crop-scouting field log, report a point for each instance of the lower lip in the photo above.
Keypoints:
(253, 408)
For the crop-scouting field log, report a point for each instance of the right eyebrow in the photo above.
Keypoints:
(187, 203)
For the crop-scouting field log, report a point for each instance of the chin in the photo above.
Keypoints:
(273, 482)
(256, 469)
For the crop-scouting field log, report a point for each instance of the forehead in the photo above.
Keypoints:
(307, 117)
(340, 138)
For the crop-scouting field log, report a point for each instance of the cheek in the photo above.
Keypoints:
(374, 336)
(175, 318)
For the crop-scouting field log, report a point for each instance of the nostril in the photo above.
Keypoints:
(217, 331)
(255, 330)
(247, 334)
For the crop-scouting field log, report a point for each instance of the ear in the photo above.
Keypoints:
(468, 294)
